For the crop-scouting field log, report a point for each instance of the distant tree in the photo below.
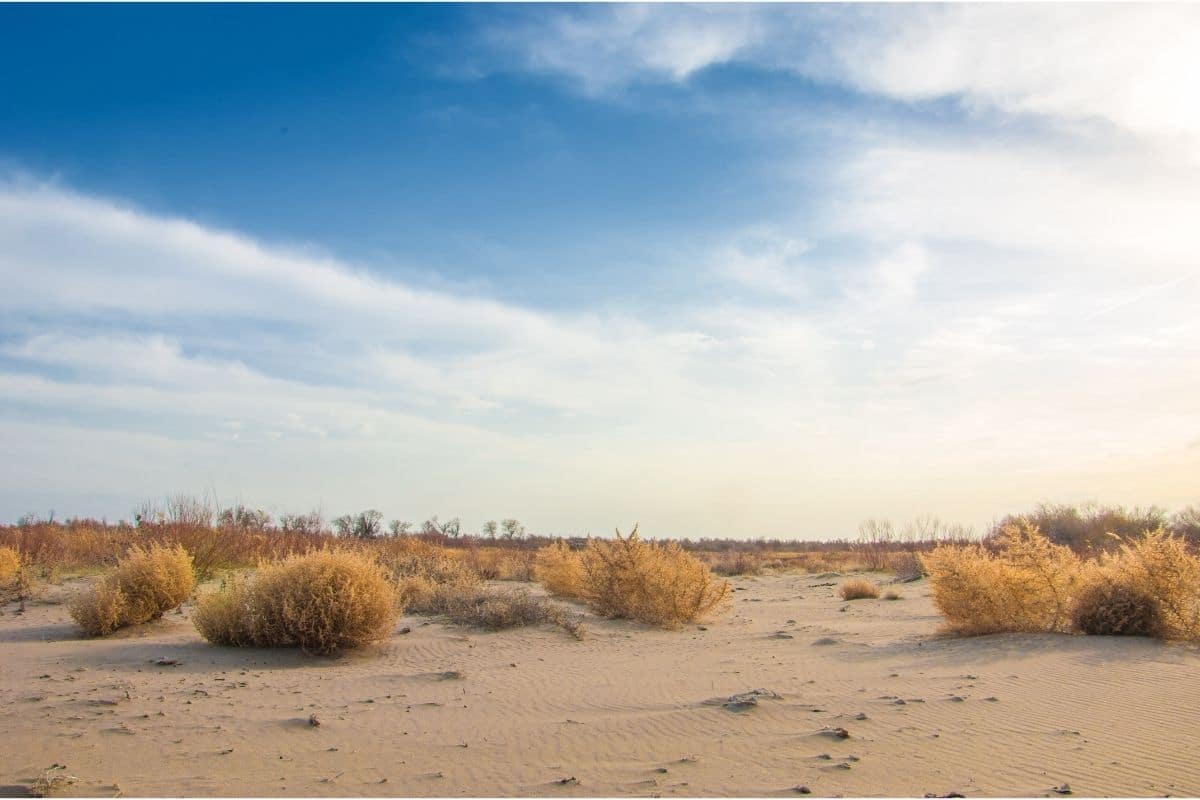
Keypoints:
(512, 529)
(244, 518)
(489, 529)
(1186, 523)
(363, 525)
(452, 528)
(311, 523)
(400, 527)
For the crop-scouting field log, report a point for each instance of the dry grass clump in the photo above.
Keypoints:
(497, 609)
(858, 589)
(654, 583)
(892, 595)
(322, 601)
(1024, 584)
(560, 570)
(145, 584)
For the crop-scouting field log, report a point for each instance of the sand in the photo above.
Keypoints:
(445, 711)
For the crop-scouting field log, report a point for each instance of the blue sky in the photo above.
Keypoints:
(723, 270)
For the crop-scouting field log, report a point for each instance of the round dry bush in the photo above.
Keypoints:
(1113, 608)
(857, 589)
(153, 581)
(99, 610)
(659, 584)
(322, 601)
(223, 617)
(145, 585)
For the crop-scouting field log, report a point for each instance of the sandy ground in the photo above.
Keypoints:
(628, 711)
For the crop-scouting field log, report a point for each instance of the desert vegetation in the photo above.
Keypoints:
(659, 584)
(1020, 580)
(146, 583)
(321, 601)
(858, 589)
(17, 581)
(559, 569)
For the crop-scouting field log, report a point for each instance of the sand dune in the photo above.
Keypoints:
(627, 711)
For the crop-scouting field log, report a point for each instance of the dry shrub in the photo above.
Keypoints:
(654, 583)
(407, 558)
(1160, 566)
(420, 571)
(858, 589)
(17, 580)
(421, 595)
(323, 601)
(517, 565)
(145, 584)
(1024, 584)
(892, 595)
(225, 617)
(559, 569)
(905, 565)
(10, 563)
(496, 609)
(1108, 606)
(484, 562)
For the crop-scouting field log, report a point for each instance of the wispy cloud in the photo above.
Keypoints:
(1123, 64)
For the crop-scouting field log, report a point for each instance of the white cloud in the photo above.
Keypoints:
(607, 48)
(1127, 65)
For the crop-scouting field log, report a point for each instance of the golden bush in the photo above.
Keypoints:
(10, 563)
(100, 610)
(654, 583)
(1160, 565)
(322, 601)
(1025, 584)
(560, 570)
(145, 584)
(225, 616)
(858, 589)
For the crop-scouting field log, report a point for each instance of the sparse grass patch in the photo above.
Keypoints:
(497, 609)
(659, 584)
(892, 595)
(858, 589)
(145, 584)
(322, 601)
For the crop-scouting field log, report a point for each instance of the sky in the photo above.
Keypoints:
(719, 270)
